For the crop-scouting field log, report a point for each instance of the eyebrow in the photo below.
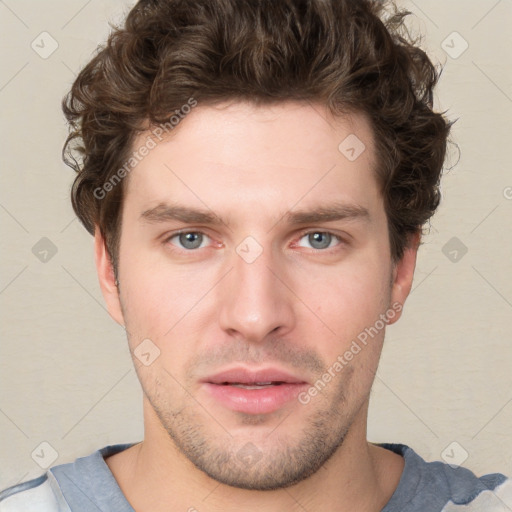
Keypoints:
(166, 212)
(329, 213)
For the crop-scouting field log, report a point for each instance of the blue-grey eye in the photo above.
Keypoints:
(320, 239)
(190, 240)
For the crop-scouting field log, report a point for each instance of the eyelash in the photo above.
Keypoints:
(302, 234)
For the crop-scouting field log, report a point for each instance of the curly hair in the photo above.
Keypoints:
(350, 55)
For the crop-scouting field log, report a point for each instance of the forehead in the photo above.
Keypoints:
(240, 155)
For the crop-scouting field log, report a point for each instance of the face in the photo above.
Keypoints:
(254, 251)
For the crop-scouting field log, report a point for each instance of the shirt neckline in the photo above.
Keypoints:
(405, 490)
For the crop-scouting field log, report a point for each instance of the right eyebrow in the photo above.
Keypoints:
(166, 212)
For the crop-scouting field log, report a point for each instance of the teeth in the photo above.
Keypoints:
(250, 387)
(256, 385)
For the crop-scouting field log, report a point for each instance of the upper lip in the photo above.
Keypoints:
(245, 376)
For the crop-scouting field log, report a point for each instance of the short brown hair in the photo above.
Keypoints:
(350, 55)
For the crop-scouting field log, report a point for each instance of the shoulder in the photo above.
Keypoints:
(470, 493)
(448, 488)
(65, 487)
(37, 495)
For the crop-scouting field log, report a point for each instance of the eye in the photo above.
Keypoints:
(319, 240)
(189, 240)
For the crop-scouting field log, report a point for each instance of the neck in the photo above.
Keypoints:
(154, 475)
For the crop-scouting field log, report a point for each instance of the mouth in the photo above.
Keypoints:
(241, 376)
(253, 392)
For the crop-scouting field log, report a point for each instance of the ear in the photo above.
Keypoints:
(107, 278)
(403, 274)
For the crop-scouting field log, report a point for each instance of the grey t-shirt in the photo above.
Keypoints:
(88, 485)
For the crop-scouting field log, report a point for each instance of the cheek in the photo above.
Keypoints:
(349, 301)
(346, 298)
(161, 299)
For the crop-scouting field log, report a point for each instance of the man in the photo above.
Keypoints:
(256, 176)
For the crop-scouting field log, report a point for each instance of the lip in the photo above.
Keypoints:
(253, 401)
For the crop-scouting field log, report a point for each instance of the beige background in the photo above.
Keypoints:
(66, 375)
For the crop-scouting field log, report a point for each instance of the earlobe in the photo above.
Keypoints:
(403, 273)
(107, 278)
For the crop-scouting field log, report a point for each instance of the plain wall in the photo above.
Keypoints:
(66, 374)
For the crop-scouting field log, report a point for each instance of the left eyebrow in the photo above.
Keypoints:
(328, 214)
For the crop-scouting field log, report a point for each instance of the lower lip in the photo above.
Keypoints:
(255, 401)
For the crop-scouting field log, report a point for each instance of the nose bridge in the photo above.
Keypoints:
(254, 302)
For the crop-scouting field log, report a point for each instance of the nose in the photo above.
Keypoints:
(255, 300)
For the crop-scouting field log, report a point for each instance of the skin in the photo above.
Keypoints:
(296, 307)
